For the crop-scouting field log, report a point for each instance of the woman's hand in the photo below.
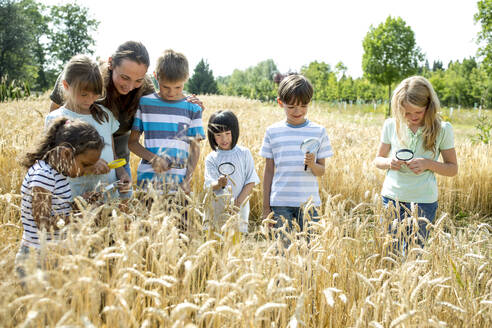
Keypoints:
(418, 165)
(194, 100)
(125, 184)
(159, 164)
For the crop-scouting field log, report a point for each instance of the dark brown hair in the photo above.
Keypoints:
(82, 74)
(172, 67)
(113, 100)
(295, 90)
(77, 134)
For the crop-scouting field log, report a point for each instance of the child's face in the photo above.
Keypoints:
(76, 166)
(224, 140)
(171, 90)
(84, 99)
(295, 113)
(414, 115)
(128, 75)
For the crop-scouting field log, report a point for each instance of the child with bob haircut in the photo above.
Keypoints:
(83, 85)
(67, 149)
(223, 134)
(290, 176)
(416, 126)
(172, 127)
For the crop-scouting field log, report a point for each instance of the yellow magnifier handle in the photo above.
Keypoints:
(117, 163)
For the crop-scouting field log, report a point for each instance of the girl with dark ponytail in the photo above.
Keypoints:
(83, 85)
(67, 149)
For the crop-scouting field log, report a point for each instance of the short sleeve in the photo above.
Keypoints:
(266, 147)
(250, 171)
(49, 118)
(447, 141)
(56, 95)
(325, 149)
(387, 131)
(211, 171)
(115, 124)
(137, 121)
(196, 126)
(44, 179)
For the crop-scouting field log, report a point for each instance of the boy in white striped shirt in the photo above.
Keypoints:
(290, 176)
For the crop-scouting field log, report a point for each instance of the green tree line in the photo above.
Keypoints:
(36, 40)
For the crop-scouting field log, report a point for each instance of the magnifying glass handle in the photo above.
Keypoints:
(305, 167)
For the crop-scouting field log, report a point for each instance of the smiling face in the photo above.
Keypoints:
(128, 75)
(414, 115)
(224, 140)
(295, 113)
(171, 90)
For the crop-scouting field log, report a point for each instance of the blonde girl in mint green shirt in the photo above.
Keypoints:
(415, 125)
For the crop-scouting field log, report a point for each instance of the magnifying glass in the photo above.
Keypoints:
(404, 154)
(227, 168)
(117, 163)
(309, 145)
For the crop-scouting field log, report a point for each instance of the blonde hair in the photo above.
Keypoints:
(417, 91)
(172, 67)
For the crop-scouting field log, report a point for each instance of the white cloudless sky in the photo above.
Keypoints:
(237, 34)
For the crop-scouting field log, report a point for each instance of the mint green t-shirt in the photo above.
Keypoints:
(404, 185)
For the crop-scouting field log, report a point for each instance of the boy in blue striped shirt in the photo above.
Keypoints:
(290, 176)
(172, 127)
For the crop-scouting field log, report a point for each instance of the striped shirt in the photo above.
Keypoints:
(42, 175)
(292, 185)
(168, 128)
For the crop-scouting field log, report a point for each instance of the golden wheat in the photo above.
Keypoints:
(137, 269)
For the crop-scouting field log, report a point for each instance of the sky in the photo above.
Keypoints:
(237, 34)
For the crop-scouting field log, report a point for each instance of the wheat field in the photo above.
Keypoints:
(134, 268)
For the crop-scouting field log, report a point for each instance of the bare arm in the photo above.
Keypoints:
(244, 194)
(41, 209)
(267, 185)
(383, 162)
(317, 167)
(158, 163)
(447, 168)
(191, 164)
(54, 106)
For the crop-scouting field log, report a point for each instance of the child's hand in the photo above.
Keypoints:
(125, 184)
(101, 167)
(309, 159)
(222, 182)
(417, 165)
(194, 100)
(159, 164)
(395, 164)
(185, 185)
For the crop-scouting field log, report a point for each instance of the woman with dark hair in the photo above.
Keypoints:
(125, 81)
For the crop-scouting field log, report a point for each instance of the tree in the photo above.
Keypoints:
(20, 30)
(390, 53)
(202, 81)
(71, 32)
(484, 17)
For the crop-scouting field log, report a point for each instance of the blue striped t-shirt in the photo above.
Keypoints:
(168, 127)
(291, 185)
